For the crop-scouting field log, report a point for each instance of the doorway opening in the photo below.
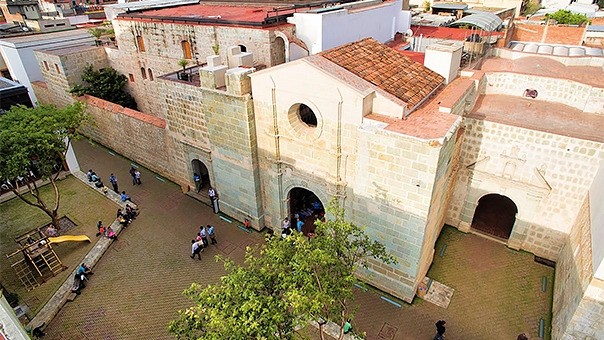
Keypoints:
(495, 215)
(202, 170)
(306, 207)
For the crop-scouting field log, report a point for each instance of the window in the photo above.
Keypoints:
(186, 49)
(131, 77)
(307, 115)
(58, 69)
(140, 43)
(243, 48)
(150, 74)
(46, 65)
(143, 73)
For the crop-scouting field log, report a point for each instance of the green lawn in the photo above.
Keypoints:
(82, 204)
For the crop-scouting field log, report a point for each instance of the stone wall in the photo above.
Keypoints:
(580, 96)
(163, 50)
(574, 272)
(546, 176)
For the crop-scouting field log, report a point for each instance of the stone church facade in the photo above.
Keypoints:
(400, 148)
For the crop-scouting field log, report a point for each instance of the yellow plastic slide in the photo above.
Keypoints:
(68, 238)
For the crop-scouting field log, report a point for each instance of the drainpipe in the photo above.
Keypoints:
(339, 152)
(277, 146)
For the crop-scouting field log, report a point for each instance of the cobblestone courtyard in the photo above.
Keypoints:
(136, 289)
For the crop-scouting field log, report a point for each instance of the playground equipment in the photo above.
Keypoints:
(69, 238)
(39, 259)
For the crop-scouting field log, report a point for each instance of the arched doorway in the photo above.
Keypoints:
(279, 51)
(495, 215)
(202, 170)
(305, 206)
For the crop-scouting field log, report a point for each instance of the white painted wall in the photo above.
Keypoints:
(9, 324)
(596, 208)
(322, 31)
(18, 53)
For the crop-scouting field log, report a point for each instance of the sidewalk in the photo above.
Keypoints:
(138, 283)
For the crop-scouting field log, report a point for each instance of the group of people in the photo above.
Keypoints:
(94, 178)
(201, 240)
(126, 216)
(105, 231)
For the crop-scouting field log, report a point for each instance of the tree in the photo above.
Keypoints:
(566, 17)
(106, 84)
(36, 139)
(326, 266)
(284, 284)
(249, 303)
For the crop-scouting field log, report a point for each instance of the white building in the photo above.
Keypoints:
(18, 53)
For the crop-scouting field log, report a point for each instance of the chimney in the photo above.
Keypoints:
(237, 81)
(237, 58)
(212, 75)
(444, 58)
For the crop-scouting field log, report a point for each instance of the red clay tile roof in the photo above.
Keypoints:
(387, 69)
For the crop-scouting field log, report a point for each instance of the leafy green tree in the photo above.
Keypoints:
(36, 137)
(284, 284)
(567, 17)
(106, 84)
(326, 266)
(249, 303)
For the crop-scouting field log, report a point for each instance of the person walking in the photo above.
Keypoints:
(113, 181)
(195, 249)
(212, 234)
(137, 177)
(203, 233)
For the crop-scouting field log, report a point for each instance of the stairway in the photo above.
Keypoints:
(52, 261)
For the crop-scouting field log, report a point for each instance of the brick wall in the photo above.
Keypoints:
(564, 35)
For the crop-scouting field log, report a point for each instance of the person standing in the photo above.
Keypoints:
(299, 225)
(195, 249)
(214, 200)
(137, 177)
(132, 173)
(212, 234)
(440, 330)
(197, 180)
(113, 181)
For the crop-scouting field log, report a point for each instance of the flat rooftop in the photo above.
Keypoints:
(546, 67)
(539, 115)
(69, 50)
(37, 37)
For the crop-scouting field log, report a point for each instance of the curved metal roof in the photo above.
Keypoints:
(487, 21)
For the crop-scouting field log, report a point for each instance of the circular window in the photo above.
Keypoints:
(307, 116)
(305, 122)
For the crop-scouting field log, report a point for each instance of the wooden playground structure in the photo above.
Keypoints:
(38, 261)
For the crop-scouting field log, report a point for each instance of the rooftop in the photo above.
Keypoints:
(40, 37)
(539, 115)
(449, 32)
(61, 51)
(546, 67)
(387, 69)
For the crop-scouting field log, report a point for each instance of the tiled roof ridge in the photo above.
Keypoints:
(387, 69)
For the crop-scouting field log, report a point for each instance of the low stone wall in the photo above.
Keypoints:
(58, 300)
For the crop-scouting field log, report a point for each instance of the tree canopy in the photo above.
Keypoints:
(567, 17)
(284, 284)
(36, 140)
(107, 84)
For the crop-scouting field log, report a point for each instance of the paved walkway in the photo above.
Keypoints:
(137, 287)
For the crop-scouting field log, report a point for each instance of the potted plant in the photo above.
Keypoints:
(182, 75)
(97, 33)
